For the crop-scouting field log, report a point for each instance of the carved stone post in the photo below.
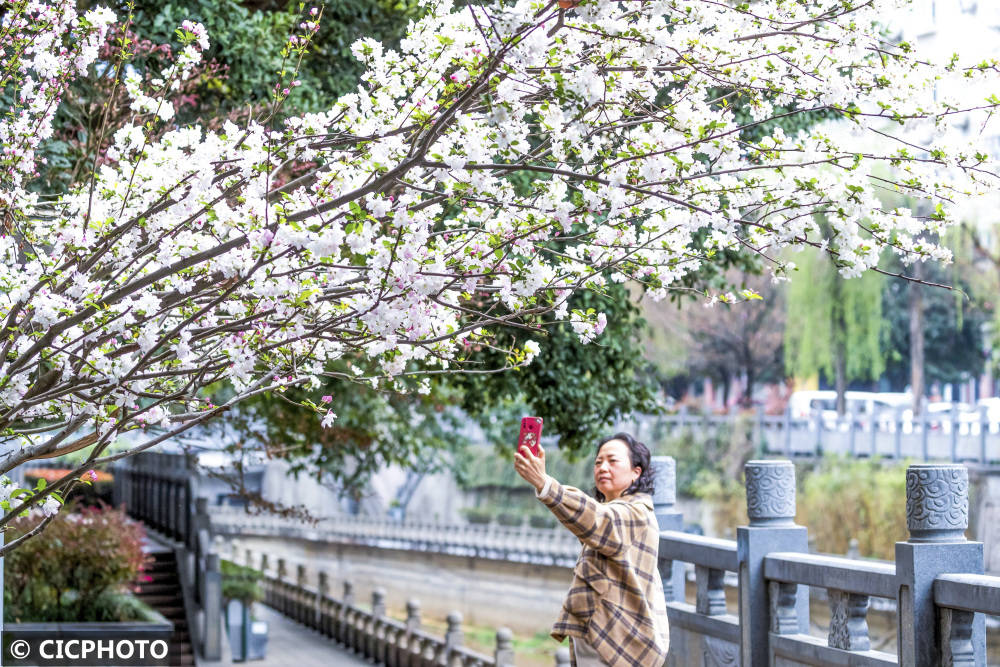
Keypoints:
(345, 635)
(771, 510)
(668, 518)
(281, 589)
(453, 637)
(322, 592)
(409, 643)
(937, 515)
(503, 656)
(212, 609)
(301, 595)
(412, 615)
(373, 644)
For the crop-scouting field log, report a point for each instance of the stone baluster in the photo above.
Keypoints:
(668, 518)
(411, 651)
(405, 641)
(937, 516)
(301, 596)
(269, 588)
(711, 593)
(958, 633)
(372, 647)
(347, 601)
(783, 599)
(413, 615)
(852, 444)
(322, 604)
(848, 621)
(429, 655)
(897, 434)
(984, 429)
(282, 592)
(771, 510)
(503, 655)
(853, 548)
(562, 657)
(453, 638)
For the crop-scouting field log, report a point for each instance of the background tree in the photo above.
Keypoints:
(834, 326)
(952, 329)
(727, 342)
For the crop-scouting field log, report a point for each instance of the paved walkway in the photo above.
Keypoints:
(292, 645)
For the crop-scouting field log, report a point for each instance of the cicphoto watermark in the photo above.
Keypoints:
(48, 647)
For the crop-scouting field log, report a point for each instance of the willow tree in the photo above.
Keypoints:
(834, 326)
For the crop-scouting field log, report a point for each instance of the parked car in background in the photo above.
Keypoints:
(992, 408)
(863, 407)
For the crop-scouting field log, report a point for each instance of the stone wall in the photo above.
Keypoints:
(524, 597)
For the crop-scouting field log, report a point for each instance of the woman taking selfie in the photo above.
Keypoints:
(614, 612)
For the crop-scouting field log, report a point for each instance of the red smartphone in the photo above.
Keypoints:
(531, 434)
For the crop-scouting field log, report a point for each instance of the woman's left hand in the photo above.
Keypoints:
(531, 468)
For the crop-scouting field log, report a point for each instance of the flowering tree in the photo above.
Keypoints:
(502, 159)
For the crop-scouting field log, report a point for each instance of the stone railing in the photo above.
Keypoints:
(953, 435)
(370, 633)
(158, 490)
(521, 544)
(936, 588)
(941, 595)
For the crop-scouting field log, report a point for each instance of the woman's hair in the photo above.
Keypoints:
(638, 455)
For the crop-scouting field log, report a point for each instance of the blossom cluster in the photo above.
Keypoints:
(496, 162)
(45, 45)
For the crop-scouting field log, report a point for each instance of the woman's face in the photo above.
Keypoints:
(613, 471)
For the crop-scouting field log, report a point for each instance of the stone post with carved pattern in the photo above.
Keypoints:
(937, 516)
(770, 487)
(668, 518)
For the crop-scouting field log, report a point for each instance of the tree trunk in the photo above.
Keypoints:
(917, 341)
(839, 333)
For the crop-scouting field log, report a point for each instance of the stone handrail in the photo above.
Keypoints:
(711, 558)
(848, 575)
(953, 435)
(961, 600)
(968, 592)
(157, 489)
(936, 584)
(938, 592)
(520, 544)
(370, 633)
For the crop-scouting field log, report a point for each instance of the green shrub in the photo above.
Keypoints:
(479, 468)
(240, 582)
(720, 453)
(841, 499)
(510, 518)
(72, 570)
(726, 499)
(542, 520)
(477, 514)
(837, 500)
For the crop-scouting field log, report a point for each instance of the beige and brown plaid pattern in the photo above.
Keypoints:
(616, 601)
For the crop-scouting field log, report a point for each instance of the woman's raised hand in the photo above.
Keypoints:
(531, 468)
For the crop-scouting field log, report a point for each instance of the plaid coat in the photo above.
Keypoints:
(616, 602)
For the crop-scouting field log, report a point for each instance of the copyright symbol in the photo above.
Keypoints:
(20, 649)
